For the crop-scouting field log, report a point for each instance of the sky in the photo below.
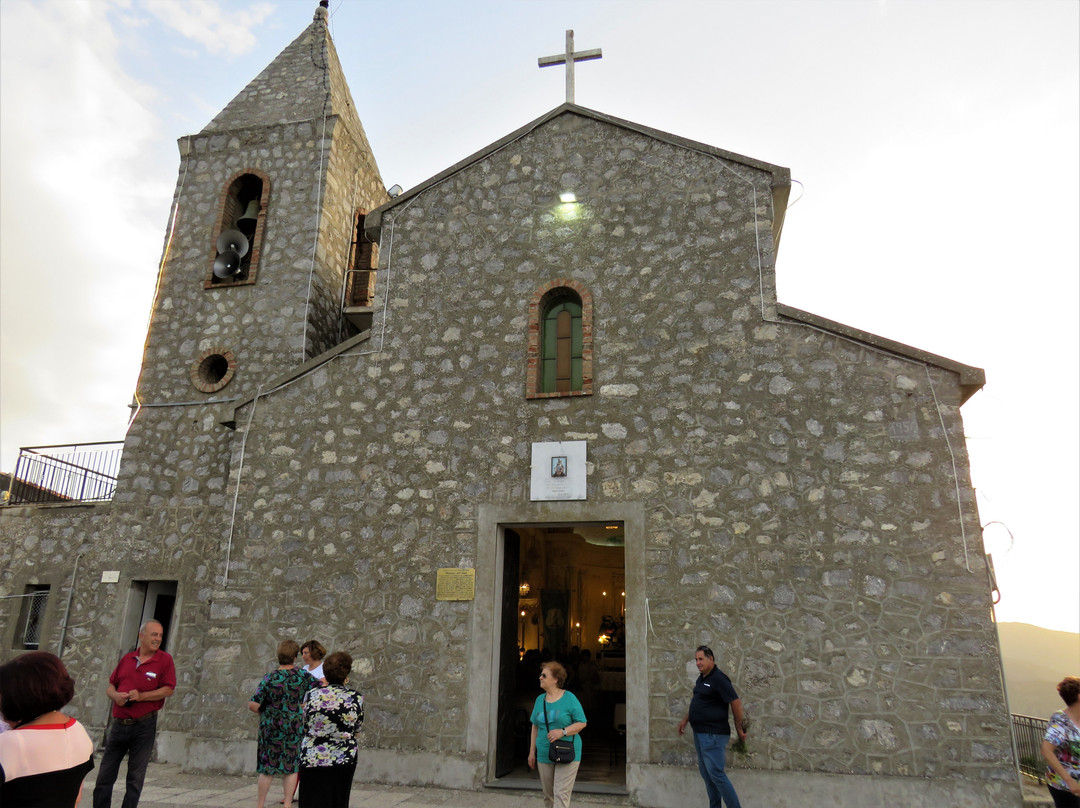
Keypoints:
(934, 147)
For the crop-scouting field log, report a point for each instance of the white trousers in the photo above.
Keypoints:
(557, 780)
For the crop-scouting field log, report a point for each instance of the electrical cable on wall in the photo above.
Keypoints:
(952, 456)
(327, 105)
(802, 193)
(236, 488)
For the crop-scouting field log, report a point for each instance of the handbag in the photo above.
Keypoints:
(562, 750)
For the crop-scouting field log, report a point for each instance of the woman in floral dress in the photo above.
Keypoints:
(1061, 747)
(333, 716)
(278, 700)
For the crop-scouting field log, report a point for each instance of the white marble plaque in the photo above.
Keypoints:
(558, 470)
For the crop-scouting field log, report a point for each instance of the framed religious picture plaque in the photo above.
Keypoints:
(558, 470)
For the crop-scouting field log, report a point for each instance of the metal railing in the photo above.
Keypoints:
(1029, 734)
(83, 472)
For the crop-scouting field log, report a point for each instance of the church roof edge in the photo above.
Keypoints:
(972, 378)
(781, 175)
(228, 410)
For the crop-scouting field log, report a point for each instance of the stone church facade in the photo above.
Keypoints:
(315, 447)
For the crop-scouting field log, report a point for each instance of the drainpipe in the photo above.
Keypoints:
(67, 608)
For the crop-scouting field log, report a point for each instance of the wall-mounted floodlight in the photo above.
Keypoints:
(393, 191)
(568, 197)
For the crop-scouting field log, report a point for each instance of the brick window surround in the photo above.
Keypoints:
(541, 298)
(228, 211)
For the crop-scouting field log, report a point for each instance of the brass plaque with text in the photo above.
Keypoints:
(452, 583)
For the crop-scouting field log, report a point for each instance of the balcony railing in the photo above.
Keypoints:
(84, 472)
(1029, 737)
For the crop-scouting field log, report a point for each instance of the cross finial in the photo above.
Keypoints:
(568, 59)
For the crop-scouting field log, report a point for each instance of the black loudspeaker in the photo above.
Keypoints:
(227, 264)
(233, 240)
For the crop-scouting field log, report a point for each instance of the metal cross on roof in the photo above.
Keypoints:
(568, 59)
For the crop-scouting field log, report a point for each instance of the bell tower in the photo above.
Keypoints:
(254, 268)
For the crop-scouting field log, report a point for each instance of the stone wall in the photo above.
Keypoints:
(803, 510)
(69, 546)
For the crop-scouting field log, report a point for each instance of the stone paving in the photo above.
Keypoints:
(167, 787)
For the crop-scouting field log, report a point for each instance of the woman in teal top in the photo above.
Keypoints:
(565, 719)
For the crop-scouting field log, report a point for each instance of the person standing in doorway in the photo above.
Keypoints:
(557, 714)
(708, 717)
(138, 687)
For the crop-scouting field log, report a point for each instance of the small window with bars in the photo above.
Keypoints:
(32, 616)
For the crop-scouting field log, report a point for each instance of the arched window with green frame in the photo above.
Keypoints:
(560, 352)
(562, 346)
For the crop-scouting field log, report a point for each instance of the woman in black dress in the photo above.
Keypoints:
(333, 715)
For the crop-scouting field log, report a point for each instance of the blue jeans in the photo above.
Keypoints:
(137, 742)
(711, 752)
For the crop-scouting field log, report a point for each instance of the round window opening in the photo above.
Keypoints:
(213, 369)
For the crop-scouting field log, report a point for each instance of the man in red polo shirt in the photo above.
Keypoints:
(143, 679)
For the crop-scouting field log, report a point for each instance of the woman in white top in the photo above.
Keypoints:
(312, 652)
(46, 754)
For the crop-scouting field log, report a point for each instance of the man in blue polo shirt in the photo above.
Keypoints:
(708, 716)
(143, 679)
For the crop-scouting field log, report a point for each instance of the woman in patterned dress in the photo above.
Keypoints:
(277, 700)
(333, 715)
(1061, 747)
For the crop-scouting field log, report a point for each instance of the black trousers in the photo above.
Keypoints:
(326, 786)
(137, 742)
(1063, 799)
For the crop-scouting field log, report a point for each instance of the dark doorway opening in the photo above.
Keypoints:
(564, 599)
(150, 600)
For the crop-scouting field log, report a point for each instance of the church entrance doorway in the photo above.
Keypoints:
(563, 599)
